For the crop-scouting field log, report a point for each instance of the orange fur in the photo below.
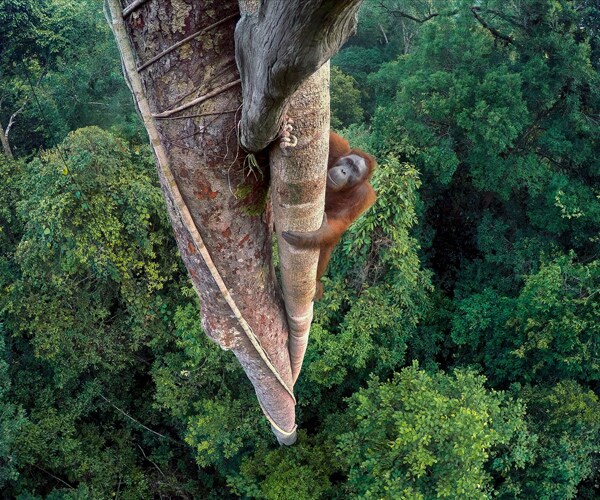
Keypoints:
(341, 209)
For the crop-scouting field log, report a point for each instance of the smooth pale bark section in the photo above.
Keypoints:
(277, 49)
(298, 176)
(5, 143)
(210, 199)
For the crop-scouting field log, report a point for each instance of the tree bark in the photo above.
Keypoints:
(298, 177)
(5, 143)
(179, 60)
(277, 49)
(201, 171)
(279, 45)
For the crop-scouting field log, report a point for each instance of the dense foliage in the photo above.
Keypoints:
(456, 353)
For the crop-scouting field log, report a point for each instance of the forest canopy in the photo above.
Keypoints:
(456, 351)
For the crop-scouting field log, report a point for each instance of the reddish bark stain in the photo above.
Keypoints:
(204, 191)
(191, 247)
(244, 240)
(226, 233)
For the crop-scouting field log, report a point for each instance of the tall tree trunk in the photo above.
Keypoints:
(180, 63)
(188, 98)
(279, 45)
(298, 194)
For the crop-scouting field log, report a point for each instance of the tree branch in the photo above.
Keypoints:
(474, 11)
(5, 144)
(504, 17)
(11, 120)
(55, 477)
(277, 48)
(131, 418)
(384, 35)
(406, 15)
(491, 29)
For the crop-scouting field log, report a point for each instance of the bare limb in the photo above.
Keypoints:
(412, 17)
(55, 477)
(153, 463)
(131, 418)
(12, 118)
(504, 17)
(475, 11)
(400, 13)
(5, 144)
(384, 35)
(491, 29)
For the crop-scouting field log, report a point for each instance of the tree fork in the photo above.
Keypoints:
(282, 52)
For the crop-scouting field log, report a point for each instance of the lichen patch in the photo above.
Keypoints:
(181, 11)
